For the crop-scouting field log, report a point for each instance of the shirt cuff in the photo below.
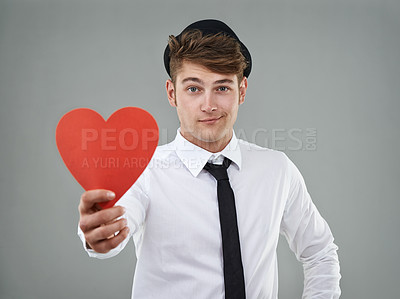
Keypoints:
(92, 253)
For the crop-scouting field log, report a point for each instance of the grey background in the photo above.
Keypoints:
(329, 65)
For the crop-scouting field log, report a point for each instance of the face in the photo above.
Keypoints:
(207, 104)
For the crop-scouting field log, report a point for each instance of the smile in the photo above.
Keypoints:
(210, 120)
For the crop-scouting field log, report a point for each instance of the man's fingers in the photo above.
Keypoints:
(90, 198)
(106, 245)
(105, 231)
(92, 221)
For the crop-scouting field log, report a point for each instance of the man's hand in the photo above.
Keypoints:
(101, 228)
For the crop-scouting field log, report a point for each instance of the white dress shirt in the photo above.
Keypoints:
(172, 213)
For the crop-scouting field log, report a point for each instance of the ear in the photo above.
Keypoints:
(242, 90)
(169, 86)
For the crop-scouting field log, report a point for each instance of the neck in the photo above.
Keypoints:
(211, 146)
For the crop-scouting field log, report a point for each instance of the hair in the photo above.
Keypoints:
(217, 52)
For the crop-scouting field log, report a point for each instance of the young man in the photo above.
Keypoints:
(207, 212)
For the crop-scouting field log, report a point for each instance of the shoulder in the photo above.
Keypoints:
(164, 151)
(258, 154)
(164, 156)
(268, 160)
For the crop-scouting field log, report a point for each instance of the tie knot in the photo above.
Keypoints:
(218, 171)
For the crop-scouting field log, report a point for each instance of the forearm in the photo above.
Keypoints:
(322, 275)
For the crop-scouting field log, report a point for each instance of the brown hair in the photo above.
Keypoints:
(219, 53)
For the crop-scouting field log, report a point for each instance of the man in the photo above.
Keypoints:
(207, 212)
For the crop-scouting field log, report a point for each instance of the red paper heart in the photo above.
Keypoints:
(108, 154)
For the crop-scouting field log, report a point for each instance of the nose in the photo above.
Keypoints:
(209, 103)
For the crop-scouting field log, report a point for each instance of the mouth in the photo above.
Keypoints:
(210, 120)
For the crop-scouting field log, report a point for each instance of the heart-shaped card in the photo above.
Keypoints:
(108, 154)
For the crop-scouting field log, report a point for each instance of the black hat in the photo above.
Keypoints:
(213, 27)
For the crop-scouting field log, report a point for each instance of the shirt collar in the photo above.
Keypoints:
(194, 157)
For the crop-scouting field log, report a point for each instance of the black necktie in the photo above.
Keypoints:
(233, 268)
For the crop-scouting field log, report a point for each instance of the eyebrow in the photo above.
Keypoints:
(193, 79)
(224, 81)
(197, 80)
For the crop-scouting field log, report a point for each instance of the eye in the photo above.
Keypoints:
(193, 89)
(223, 88)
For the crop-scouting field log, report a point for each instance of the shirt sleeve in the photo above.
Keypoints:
(135, 201)
(311, 239)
